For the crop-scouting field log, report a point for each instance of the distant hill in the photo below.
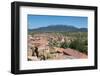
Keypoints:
(59, 28)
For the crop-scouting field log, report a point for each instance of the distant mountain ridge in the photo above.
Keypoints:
(59, 28)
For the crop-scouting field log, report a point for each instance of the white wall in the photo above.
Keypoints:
(5, 41)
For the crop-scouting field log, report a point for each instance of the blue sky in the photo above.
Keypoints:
(36, 21)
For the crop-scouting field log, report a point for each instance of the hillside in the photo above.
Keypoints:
(59, 28)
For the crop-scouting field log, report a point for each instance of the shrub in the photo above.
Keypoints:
(53, 43)
(64, 45)
(78, 44)
(86, 42)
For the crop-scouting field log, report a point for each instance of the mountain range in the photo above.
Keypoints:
(58, 28)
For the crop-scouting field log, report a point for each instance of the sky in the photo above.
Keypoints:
(36, 21)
